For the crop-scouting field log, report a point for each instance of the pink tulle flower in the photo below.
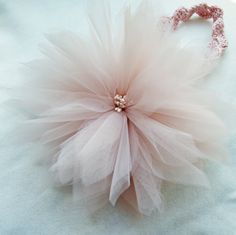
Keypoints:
(122, 110)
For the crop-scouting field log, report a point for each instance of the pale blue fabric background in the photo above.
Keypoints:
(30, 204)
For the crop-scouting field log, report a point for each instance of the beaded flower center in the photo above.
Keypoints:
(120, 102)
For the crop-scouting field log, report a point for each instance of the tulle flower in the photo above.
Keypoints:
(122, 111)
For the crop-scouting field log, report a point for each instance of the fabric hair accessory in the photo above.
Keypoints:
(121, 111)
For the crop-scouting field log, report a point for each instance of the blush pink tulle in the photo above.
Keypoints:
(166, 129)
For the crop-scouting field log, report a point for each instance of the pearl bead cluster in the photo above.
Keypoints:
(120, 102)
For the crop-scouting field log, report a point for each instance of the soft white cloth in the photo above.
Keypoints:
(31, 204)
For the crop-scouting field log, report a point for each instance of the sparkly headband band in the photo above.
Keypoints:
(219, 42)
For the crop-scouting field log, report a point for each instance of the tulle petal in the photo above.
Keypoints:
(92, 149)
(98, 155)
(147, 188)
(146, 157)
(173, 149)
(122, 168)
(60, 131)
(192, 118)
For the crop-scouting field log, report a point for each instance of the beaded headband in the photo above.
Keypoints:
(218, 42)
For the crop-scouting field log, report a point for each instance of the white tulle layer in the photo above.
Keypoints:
(166, 131)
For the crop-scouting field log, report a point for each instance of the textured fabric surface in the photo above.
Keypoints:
(30, 203)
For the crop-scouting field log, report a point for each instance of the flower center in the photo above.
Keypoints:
(120, 102)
